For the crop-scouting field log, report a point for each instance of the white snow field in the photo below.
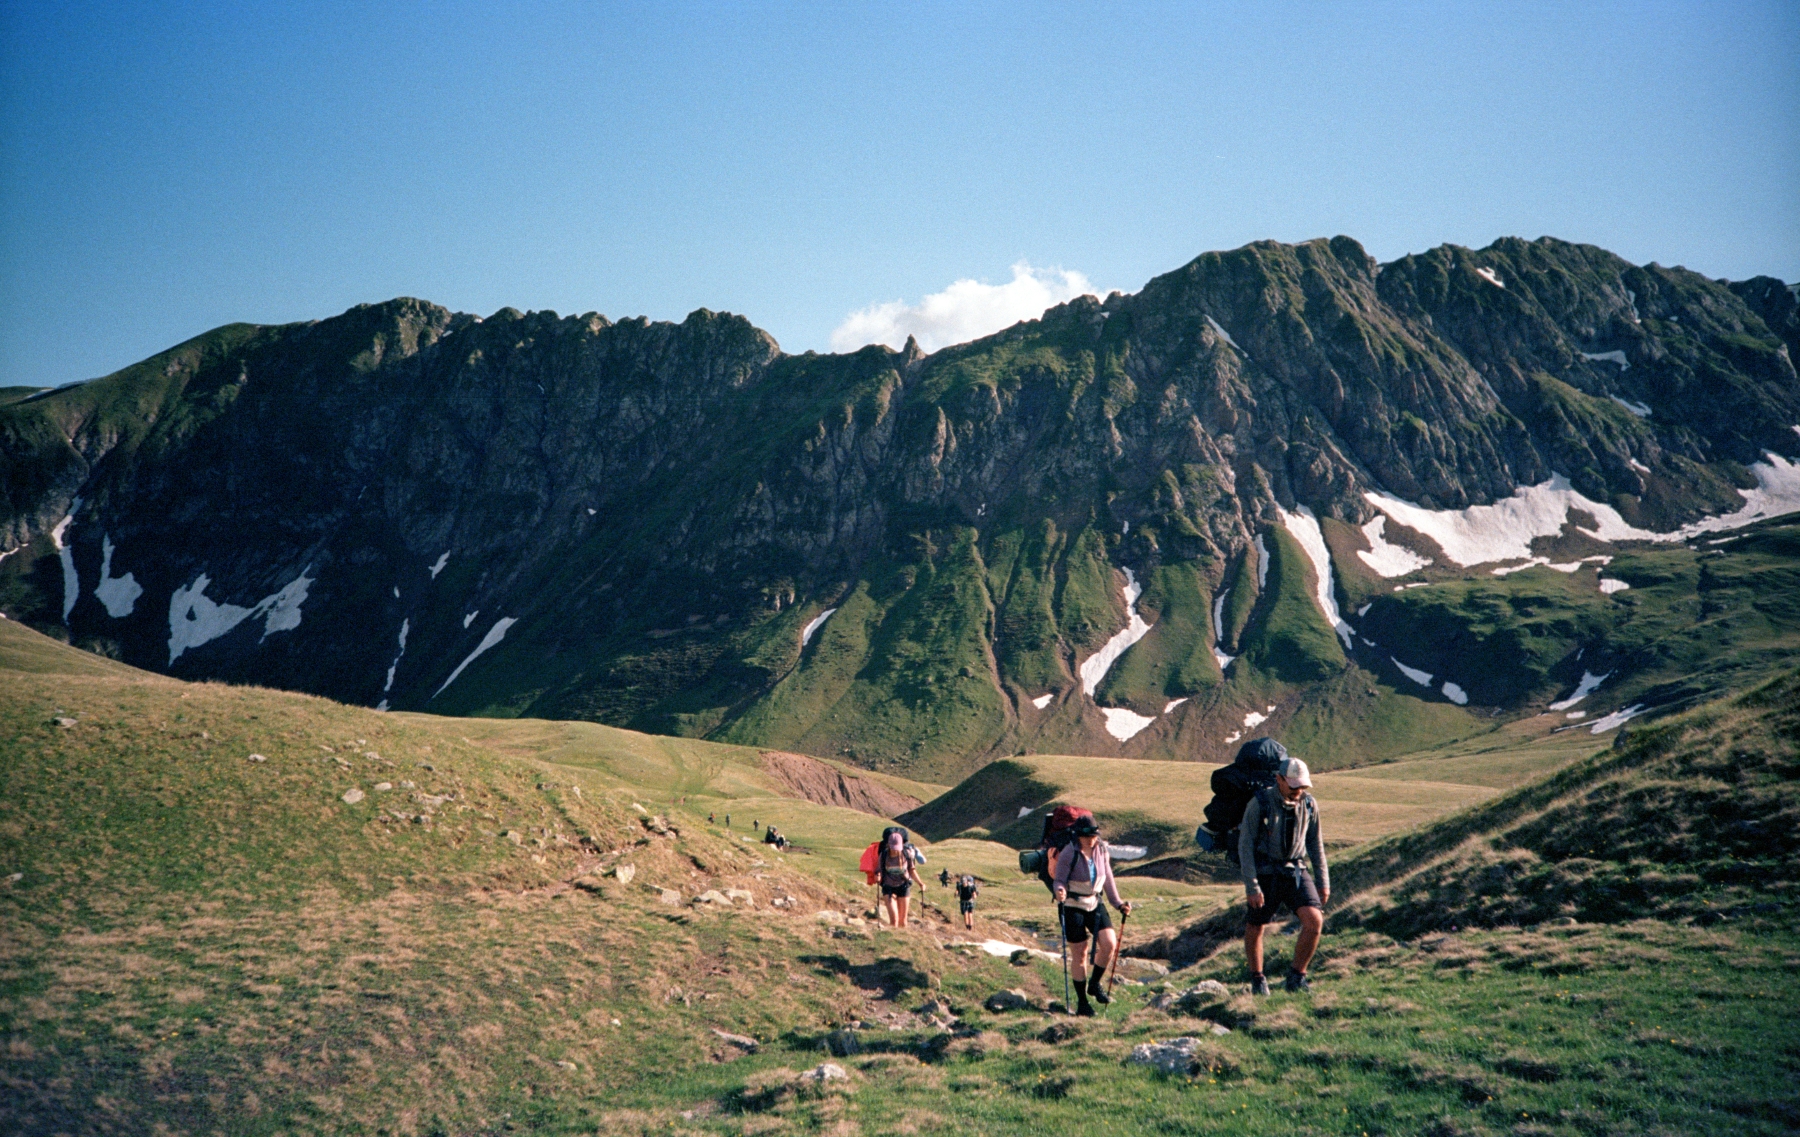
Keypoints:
(1125, 724)
(1617, 357)
(813, 625)
(1218, 647)
(1490, 276)
(66, 554)
(1610, 586)
(1225, 335)
(1641, 410)
(1422, 678)
(1589, 681)
(1094, 668)
(438, 565)
(119, 593)
(194, 619)
(1388, 560)
(1305, 529)
(1173, 703)
(1617, 718)
(1043, 701)
(1262, 564)
(495, 635)
(1455, 693)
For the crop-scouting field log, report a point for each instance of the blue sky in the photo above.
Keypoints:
(167, 168)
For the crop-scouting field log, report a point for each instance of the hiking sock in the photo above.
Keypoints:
(1082, 1006)
(1097, 989)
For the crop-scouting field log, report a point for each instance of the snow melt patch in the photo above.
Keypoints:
(1455, 694)
(495, 635)
(1617, 718)
(1422, 678)
(1388, 560)
(1610, 586)
(1777, 492)
(1589, 681)
(1617, 357)
(1637, 465)
(1305, 529)
(1173, 703)
(1225, 335)
(806, 633)
(470, 618)
(1504, 531)
(1043, 701)
(1094, 668)
(405, 627)
(1123, 724)
(1641, 410)
(1218, 650)
(1262, 564)
(1023, 810)
(1233, 737)
(1490, 276)
(66, 554)
(1254, 719)
(118, 593)
(195, 620)
(438, 566)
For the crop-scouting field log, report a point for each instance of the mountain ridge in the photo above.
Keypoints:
(638, 520)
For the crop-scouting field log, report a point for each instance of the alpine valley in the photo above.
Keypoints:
(1369, 507)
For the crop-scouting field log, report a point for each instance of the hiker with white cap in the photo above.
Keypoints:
(1280, 828)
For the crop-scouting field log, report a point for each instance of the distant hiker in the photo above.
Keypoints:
(728, 821)
(966, 888)
(897, 875)
(711, 820)
(755, 824)
(944, 877)
(1280, 825)
(1082, 874)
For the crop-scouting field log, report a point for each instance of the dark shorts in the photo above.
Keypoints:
(1078, 925)
(966, 905)
(1294, 889)
(900, 890)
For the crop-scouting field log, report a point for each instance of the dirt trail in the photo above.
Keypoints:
(816, 782)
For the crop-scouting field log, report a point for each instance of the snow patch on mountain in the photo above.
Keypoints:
(1610, 586)
(1422, 678)
(1123, 724)
(438, 566)
(1490, 276)
(1455, 693)
(1043, 701)
(1225, 335)
(806, 633)
(1305, 529)
(118, 593)
(194, 619)
(1617, 357)
(495, 635)
(1641, 410)
(1777, 492)
(66, 554)
(1173, 703)
(1589, 681)
(1218, 647)
(1617, 718)
(1262, 565)
(1094, 668)
(1388, 560)
(1504, 531)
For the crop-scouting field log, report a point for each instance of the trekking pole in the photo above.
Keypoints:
(1063, 941)
(1112, 980)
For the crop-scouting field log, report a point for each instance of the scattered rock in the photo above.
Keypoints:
(1060, 1032)
(1184, 1055)
(713, 896)
(843, 1043)
(669, 896)
(640, 808)
(624, 873)
(829, 916)
(826, 1072)
(747, 1045)
(514, 836)
(567, 1065)
(383, 787)
(258, 758)
(1220, 1030)
(660, 826)
(1020, 958)
(1210, 988)
(352, 796)
(743, 894)
(65, 723)
(1163, 1000)
(15, 878)
(1009, 1000)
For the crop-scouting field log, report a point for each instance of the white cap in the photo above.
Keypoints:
(1296, 773)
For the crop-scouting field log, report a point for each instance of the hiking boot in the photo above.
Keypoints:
(1297, 981)
(1084, 1008)
(1259, 984)
(1098, 990)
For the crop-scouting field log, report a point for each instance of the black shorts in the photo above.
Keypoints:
(1077, 925)
(966, 905)
(900, 890)
(1293, 888)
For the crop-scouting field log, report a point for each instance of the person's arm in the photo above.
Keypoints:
(1247, 829)
(1112, 882)
(1060, 870)
(1315, 852)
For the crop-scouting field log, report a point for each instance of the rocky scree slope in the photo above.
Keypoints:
(1115, 529)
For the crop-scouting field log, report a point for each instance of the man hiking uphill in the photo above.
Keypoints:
(1083, 872)
(1281, 824)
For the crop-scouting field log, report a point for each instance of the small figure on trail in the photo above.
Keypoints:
(1280, 826)
(772, 836)
(966, 888)
(711, 820)
(1082, 874)
(728, 821)
(944, 877)
(755, 824)
(898, 875)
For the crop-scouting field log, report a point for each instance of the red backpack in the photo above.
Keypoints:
(1059, 830)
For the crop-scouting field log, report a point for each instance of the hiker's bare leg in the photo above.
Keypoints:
(1106, 946)
(1253, 937)
(969, 920)
(1312, 922)
(887, 909)
(1078, 955)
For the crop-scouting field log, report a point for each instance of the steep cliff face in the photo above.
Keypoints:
(907, 560)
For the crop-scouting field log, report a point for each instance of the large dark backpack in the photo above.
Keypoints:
(1233, 786)
(1059, 830)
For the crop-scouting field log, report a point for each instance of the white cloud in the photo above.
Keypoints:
(968, 309)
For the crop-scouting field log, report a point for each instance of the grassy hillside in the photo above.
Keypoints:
(197, 941)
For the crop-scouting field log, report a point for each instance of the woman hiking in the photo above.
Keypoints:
(898, 875)
(1083, 873)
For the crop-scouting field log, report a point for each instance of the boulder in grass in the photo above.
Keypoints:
(826, 1072)
(624, 873)
(258, 758)
(1010, 1000)
(843, 1043)
(713, 896)
(1179, 1056)
(352, 796)
(746, 1044)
